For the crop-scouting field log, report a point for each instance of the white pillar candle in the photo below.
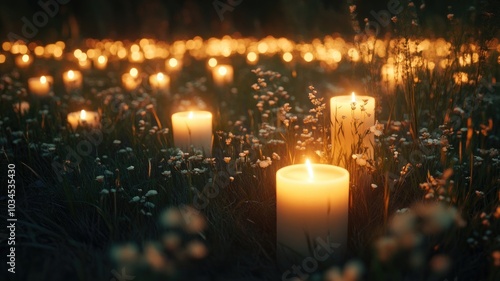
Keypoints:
(159, 81)
(312, 204)
(355, 115)
(72, 79)
(193, 128)
(83, 118)
(222, 75)
(40, 86)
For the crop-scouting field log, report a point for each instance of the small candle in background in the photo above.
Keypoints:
(72, 79)
(131, 80)
(101, 62)
(193, 128)
(159, 81)
(21, 107)
(252, 58)
(173, 65)
(40, 86)
(23, 61)
(222, 75)
(83, 118)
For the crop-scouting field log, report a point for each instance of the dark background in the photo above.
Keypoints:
(182, 19)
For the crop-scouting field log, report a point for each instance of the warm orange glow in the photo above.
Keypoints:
(160, 76)
(353, 97)
(212, 62)
(25, 58)
(222, 71)
(287, 57)
(71, 74)
(101, 59)
(43, 79)
(134, 72)
(308, 57)
(251, 57)
(83, 115)
(173, 62)
(309, 169)
(190, 116)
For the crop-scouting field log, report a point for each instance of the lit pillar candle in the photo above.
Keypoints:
(72, 79)
(40, 86)
(101, 62)
(312, 205)
(23, 61)
(131, 80)
(222, 74)
(193, 128)
(83, 118)
(355, 115)
(173, 65)
(159, 81)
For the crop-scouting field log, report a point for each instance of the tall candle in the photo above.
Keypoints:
(355, 115)
(159, 81)
(222, 74)
(193, 128)
(40, 86)
(312, 205)
(83, 118)
(72, 79)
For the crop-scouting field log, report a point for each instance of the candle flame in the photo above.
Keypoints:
(190, 116)
(222, 70)
(160, 76)
(134, 72)
(101, 59)
(212, 62)
(172, 62)
(309, 169)
(71, 74)
(83, 115)
(43, 79)
(353, 97)
(25, 58)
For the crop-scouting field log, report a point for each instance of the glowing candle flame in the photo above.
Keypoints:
(353, 97)
(43, 79)
(160, 76)
(252, 57)
(25, 58)
(101, 59)
(134, 72)
(83, 115)
(309, 169)
(71, 74)
(190, 116)
(173, 62)
(222, 71)
(212, 62)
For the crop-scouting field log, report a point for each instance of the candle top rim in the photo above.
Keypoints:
(349, 97)
(195, 113)
(323, 173)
